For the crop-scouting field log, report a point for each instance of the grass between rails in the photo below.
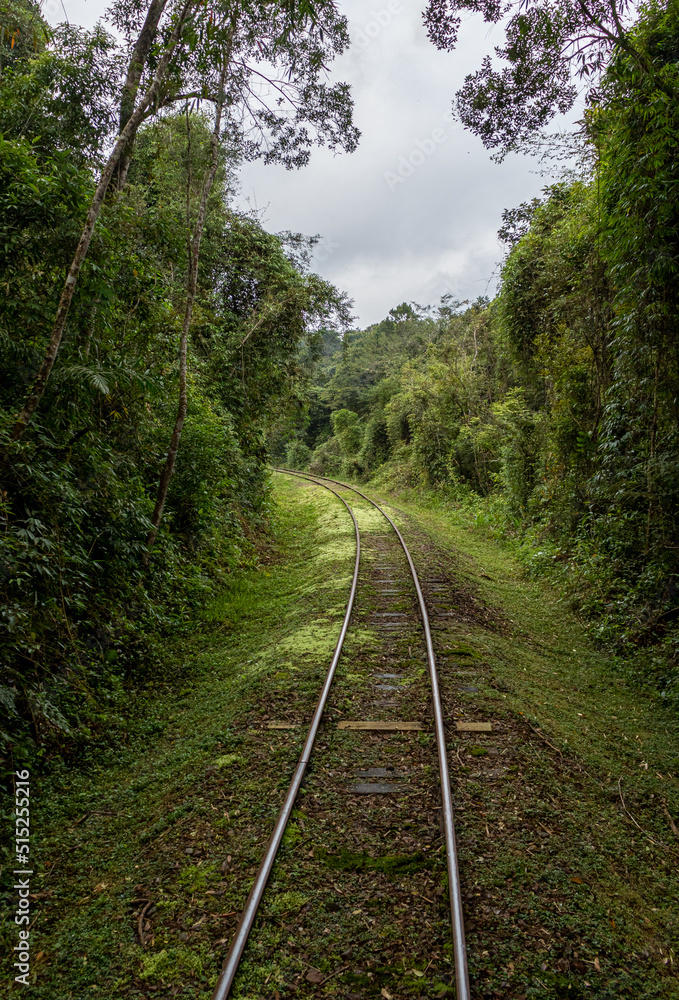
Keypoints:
(169, 827)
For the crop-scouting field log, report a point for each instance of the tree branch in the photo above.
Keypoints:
(93, 213)
(135, 69)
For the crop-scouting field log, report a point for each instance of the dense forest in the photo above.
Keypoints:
(158, 346)
(551, 414)
(133, 463)
(170, 601)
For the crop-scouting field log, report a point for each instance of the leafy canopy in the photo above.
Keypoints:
(548, 44)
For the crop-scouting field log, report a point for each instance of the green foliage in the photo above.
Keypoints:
(637, 486)
(83, 622)
(63, 98)
(545, 48)
(551, 414)
(347, 429)
(297, 455)
(23, 32)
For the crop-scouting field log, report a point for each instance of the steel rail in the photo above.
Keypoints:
(455, 891)
(249, 913)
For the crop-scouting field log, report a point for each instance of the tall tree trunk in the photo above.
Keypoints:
(192, 281)
(122, 141)
(135, 69)
(650, 463)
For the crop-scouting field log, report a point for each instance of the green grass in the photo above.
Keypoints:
(122, 817)
(172, 811)
(554, 674)
(602, 767)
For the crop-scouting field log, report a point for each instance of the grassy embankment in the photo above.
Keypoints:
(121, 825)
(142, 821)
(601, 775)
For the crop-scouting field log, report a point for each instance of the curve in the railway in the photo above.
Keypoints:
(231, 964)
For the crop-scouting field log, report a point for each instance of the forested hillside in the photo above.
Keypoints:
(550, 414)
(148, 332)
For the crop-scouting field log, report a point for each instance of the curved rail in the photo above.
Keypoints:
(247, 919)
(455, 891)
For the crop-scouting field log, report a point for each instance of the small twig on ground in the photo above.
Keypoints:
(333, 974)
(94, 812)
(425, 898)
(140, 924)
(628, 813)
(673, 825)
(544, 739)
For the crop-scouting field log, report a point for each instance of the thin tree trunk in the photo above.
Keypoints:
(192, 281)
(135, 69)
(651, 458)
(124, 138)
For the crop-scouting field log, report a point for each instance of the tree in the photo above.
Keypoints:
(64, 96)
(135, 70)
(284, 44)
(634, 126)
(194, 242)
(94, 210)
(78, 612)
(547, 46)
(23, 31)
(238, 42)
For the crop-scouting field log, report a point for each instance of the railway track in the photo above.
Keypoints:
(392, 710)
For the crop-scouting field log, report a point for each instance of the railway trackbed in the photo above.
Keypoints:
(377, 908)
(564, 812)
(386, 790)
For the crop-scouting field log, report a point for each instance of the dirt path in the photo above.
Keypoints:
(568, 858)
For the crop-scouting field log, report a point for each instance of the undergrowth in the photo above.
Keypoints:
(635, 623)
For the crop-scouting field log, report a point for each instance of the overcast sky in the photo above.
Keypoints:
(386, 238)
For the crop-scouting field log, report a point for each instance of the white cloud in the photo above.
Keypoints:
(86, 13)
(383, 243)
(436, 230)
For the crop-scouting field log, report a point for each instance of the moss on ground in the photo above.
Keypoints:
(119, 830)
(568, 858)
